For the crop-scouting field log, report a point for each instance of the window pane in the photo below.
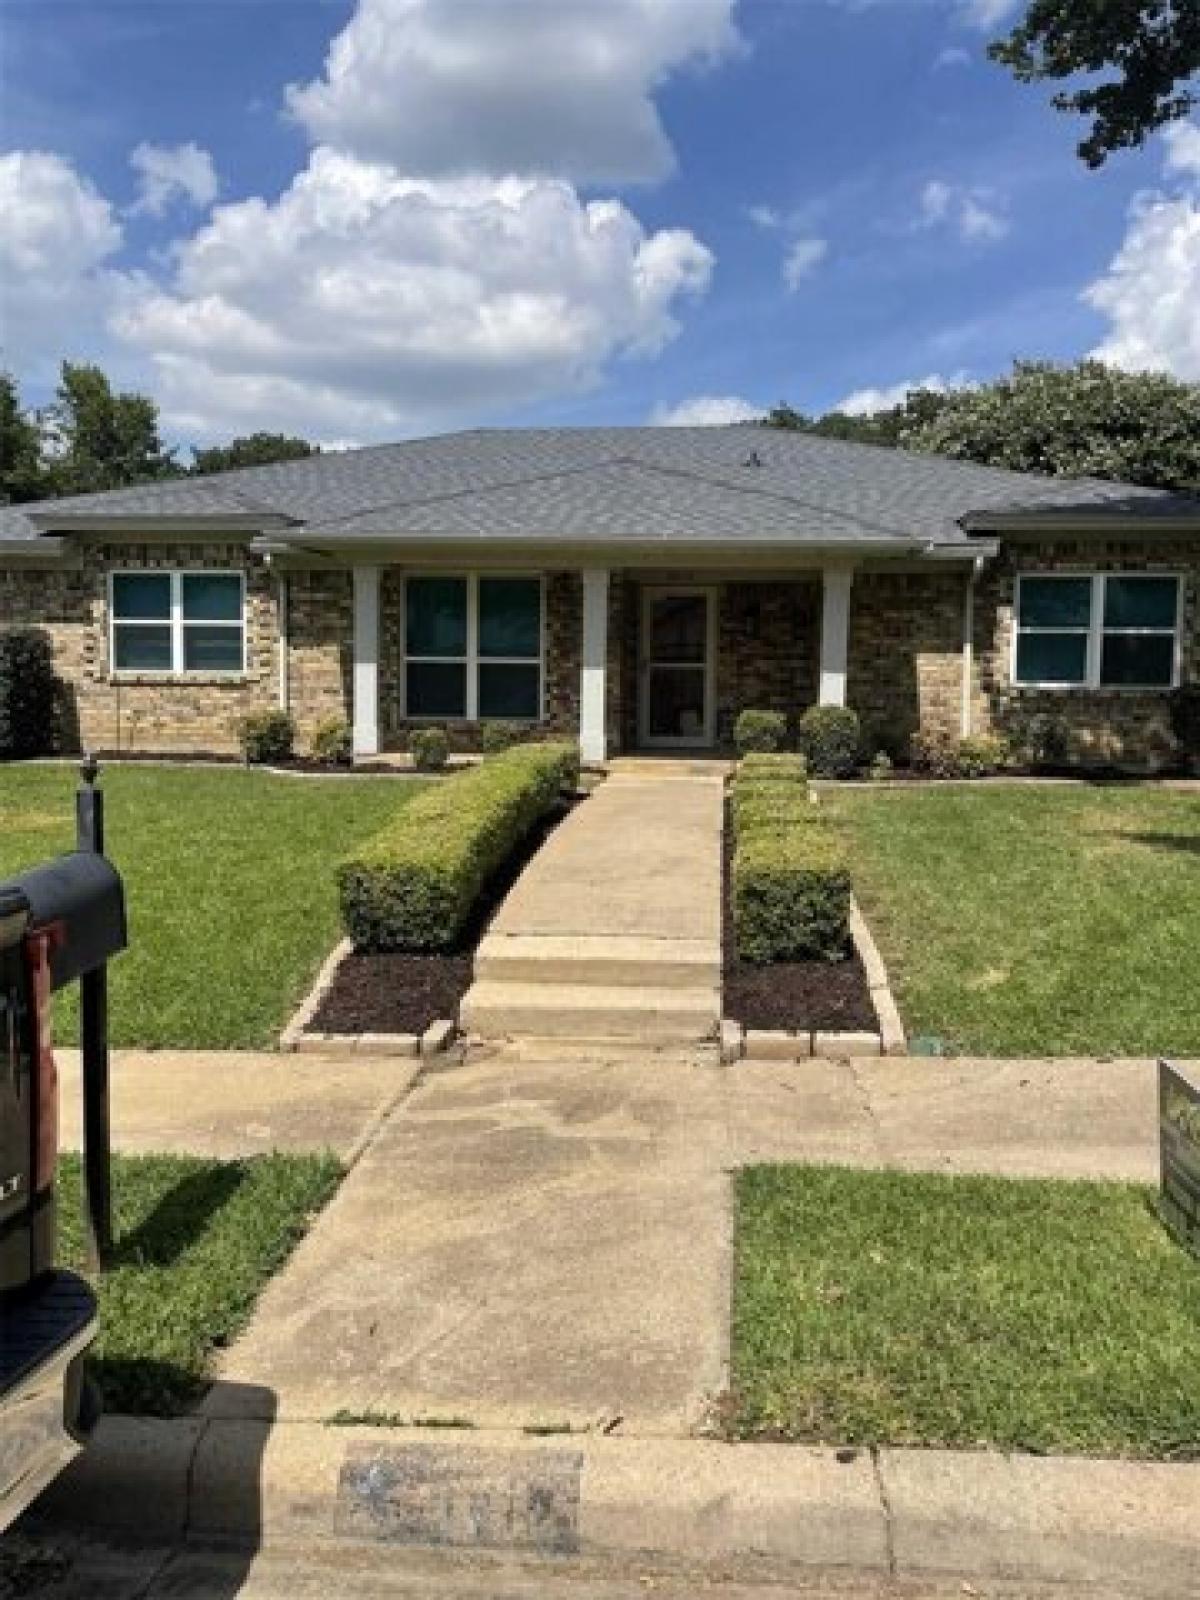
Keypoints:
(212, 649)
(1052, 658)
(142, 594)
(436, 611)
(678, 628)
(508, 691)
(142, 649)
(437, 689)
(1140, 602)
(510, 617)
(212, 597)
(1138, 658)
(1056, 602)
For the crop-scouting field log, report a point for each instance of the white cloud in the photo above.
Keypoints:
(969, 212)
(707, 411)
(765, 217)
(952, 56)
(58, 234)
(1151, 291)
(989, 13)
(865, 402)
(553, 87)
(364, 303)
(168, 174)
(803, 258)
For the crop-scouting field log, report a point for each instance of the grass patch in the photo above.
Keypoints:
(1035, 921)
(194, 1243)
(891, 1308)
(230, 882)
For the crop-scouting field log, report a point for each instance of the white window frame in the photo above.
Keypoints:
(176, 621)
(472, 660)
(1097, 632)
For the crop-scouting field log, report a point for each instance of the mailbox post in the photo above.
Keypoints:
(93, 1043)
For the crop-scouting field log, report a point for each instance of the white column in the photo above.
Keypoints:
(835, 634)
(366, 661)
(593, 744)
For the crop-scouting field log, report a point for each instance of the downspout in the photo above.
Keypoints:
(283, 623)
(967, 721)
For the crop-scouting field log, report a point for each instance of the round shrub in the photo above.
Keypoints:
(267, 736)
(495, 737)
(29, 693)
(982, 755)
(934, 753)
(333, 742)
(429, 748)
(764, 731)
(830, 738)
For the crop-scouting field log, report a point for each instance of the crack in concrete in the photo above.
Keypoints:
(885, 1503)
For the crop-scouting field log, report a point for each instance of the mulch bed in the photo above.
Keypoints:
(791, 996)
(400, 993)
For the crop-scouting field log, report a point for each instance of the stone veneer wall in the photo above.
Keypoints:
(1100, 727)
(905, 655)
(320, 613)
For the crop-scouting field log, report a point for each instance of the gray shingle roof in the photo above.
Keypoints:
(697, 485)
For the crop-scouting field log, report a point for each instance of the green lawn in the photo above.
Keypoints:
(229, 878)
(1019, 920)
(194, 1242)
(889, 1308)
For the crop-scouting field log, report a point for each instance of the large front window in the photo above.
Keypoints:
(178, 622)
(1097, 630)
(473, 647)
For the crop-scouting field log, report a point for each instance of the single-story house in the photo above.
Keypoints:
(633, 587)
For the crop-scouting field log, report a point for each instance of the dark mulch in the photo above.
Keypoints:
(396, 992)
(791, 995)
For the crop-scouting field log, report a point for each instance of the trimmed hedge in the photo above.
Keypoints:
(29, 694)
(831, 738)
(415, 884)
(759, 731)
(790, 882)
(761, 767)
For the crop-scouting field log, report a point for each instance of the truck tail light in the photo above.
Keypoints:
(45, 1141)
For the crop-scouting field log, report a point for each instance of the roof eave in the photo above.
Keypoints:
(722, 552)
(147, 524)
(43, 549)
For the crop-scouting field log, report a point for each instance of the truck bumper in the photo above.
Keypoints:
(48, 1409)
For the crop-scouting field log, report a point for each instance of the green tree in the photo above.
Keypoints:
(252, 450)
(887, 427)
(100, 439)
(21, 473)
(1152, 45)
(1072, 421)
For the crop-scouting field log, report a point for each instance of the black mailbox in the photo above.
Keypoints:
(81, 895)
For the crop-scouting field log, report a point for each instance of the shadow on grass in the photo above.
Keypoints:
(1187, 844)
(179, 1218)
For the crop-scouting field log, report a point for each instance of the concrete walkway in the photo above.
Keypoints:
(229, 1103)
(542, 1237)
(614, 928)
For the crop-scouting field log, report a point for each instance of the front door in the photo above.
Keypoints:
(677, 659)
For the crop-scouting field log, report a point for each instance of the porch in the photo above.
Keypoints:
(651, 661)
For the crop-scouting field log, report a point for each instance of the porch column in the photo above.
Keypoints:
(365, 736)
(835, 634)
(593, 743)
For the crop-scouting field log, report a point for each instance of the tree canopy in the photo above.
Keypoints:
(1086, 420)
(96, 439)
(1152, 47)
(21, 472)
(252, 450)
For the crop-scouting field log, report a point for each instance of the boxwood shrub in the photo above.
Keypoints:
(29, 694)
(831, 738)
(266, 736)
(761, 767)
(790, 882)
(759, 730)
(415, 884)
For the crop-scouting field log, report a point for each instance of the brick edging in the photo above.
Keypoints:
(298, 1036)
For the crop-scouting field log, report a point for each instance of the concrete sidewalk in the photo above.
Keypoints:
(229, 1103)
(543, 1238)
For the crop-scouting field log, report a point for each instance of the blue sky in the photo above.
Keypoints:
(493, 211)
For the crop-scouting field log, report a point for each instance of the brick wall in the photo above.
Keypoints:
(1101, 727)
(905, 654)
(768, 650)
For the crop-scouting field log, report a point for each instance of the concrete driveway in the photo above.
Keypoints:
(537, 1239)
